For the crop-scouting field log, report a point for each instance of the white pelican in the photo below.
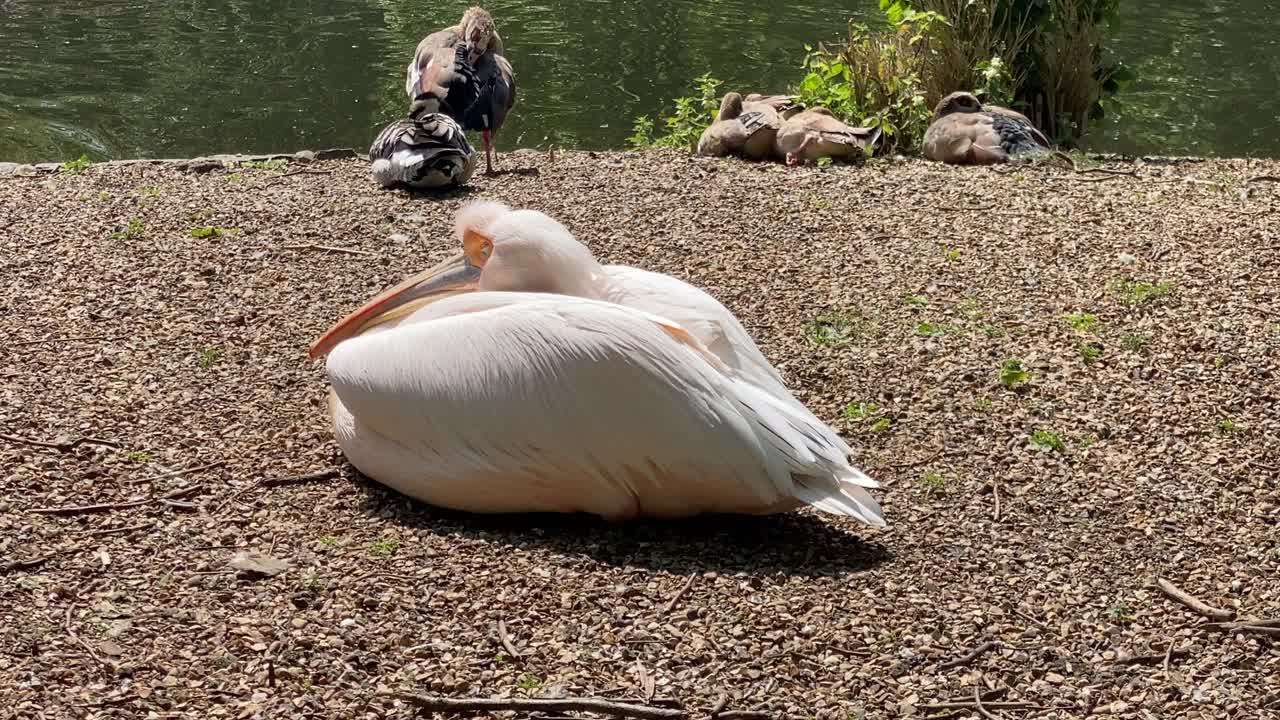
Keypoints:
(522, 376)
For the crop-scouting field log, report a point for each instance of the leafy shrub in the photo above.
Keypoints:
(693, 114)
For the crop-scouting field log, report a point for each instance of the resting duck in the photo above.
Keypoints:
(816, 133)
(424, 151)
(966, 133)
(496, 84)
(744, 127)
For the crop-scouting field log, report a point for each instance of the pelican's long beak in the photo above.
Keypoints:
(457, 274)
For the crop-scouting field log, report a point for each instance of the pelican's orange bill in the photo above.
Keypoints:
(457, 274)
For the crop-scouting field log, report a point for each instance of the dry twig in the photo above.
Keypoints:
(970, 656)
(63, 444)
(977, 703)
(505, 638)
(432, 703)
(1258, 627)
(684, 590)
(1199, 606)
(296, 479)
(1263, 178)
(328, 248)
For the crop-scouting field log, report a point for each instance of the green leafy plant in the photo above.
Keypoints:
(1082, 322)
(277, 164)
(329, 541)
(384, 546)
(1135, 292)
(882, 425)
(931, 329)
(1047, 441)
(858, 411)
(934, 482)
(837, 328)
(1121, 613)
(209, 231)
(208, 357)
(131, 230)
(529, 682)
(952, 254)
(1136, 342)
(1013, 375)
(1089, 352)
(77, 166)
(692, 115)
(915, 300)
(140, 457)
(1230, 427)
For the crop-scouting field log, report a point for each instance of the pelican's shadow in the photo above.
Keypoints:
(797, 544)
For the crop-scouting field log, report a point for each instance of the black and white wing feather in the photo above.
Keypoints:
(426, 151)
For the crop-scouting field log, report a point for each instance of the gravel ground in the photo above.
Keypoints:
(166, 376)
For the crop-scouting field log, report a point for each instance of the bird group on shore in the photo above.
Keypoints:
(458, 80)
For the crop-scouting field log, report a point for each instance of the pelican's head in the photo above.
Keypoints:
(502, 249)
(479, 29)
(957, 102)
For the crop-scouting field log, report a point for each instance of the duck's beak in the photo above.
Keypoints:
(457, 274)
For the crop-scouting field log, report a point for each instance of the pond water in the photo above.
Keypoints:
(142, 78)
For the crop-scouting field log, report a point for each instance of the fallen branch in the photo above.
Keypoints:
(87, 509)
(432, 703)
(971, 705)
(995, 492)
(116, 531)
(970, 656)
(36, 561)
(949, 208)
(505, 638)
(1190, 601)
(26, 343)
(977, 703)
(1258, 627)
(63, 444)
(1263, 178)
(1157, 659)
(184, 471)
(66, 625)
(684, 590)
(297, 479)
(328, 248)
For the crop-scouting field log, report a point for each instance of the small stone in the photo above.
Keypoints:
(1119, 706)
(1054, 678)
(1127, 258)
(304, 156)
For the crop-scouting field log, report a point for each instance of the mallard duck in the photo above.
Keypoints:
(744, 127)
(966, 133)
(425, 150)
(817, 133)
(496, 84)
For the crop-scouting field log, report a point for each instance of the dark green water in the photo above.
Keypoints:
(145, 78)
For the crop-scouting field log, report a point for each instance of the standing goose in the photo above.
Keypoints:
(429, 149)
(965, 133)
(745, 127)
(817, 133)
(496, 84)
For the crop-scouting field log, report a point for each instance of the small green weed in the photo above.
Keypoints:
(200, 215)
(837, 328)
(235, 177)
(1136, 342)
(825, 162)
(208, 357)
(1230, 427)
(990, 330)
(224, 661)
(148, 191)
(934, 482)
(209, 231)
(384, 547)
(312, 584)
(500, 658)
(857, 411)
(1081, 322)
(817, 202)
(1089, 352)
(132, 230)
(1013, 375)
(1136, 292)
(141, 457)
(915, 300)
(929, 329)
(77, 166)
(329, 541)
(1047, 441)
(1121, 613)
(881, 426)
(277, 164)
(983, 405)
(529, 682)
(972, 309)
(952, 254)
